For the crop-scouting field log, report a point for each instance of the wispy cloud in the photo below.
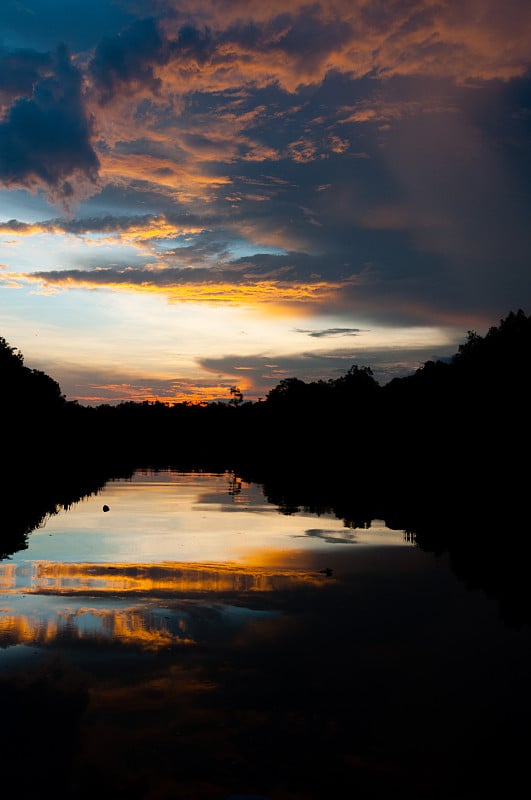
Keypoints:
(319, 334)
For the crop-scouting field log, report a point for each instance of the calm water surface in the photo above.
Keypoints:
(193, 641)
(91, 574)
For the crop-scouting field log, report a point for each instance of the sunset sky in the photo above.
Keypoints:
(196, 194)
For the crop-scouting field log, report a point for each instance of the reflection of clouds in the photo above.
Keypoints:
(8, 573)
(144, 626)
(131, 626)
(147, 579)
(17, 629)
(341, 537)
(359, 532)
(175, 604)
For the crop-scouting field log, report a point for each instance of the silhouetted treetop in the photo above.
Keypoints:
(356, 380)
(10, 359)
(506, 347)
(24, 389)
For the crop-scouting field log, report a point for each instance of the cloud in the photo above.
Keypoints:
(128, 59)
(91, 385)
(205, 258)
(131, 59)
(302, 42)
(45, 139)
(476, 40)
(139, 227)
(330, 332)
(201, 269)
(198, 47)
(211, 378)
(221, 285)
(256, 374)
(21, 70)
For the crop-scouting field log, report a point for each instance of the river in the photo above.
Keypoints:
(177, 635)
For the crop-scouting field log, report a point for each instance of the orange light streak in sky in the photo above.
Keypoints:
(251, 295)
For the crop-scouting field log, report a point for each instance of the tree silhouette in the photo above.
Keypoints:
(236, 396)
(11, 361)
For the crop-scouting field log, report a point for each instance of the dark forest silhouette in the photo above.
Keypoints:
(441, 453)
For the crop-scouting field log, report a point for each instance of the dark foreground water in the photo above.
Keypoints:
(192, 641)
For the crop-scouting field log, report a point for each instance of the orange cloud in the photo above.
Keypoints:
(479, 39)
(247, 46)
(183, 183)
(142, 229)
(253, 295)
(189, 392)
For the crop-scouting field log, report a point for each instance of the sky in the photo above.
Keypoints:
(200, 194)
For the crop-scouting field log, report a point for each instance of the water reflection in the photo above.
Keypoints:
(248, 552)
(193, 642)
(138, 626)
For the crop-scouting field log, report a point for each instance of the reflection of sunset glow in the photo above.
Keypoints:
(147, 626)
(164, 524)
(160, 579)
(8, 573)
(89, 580)
(18, 629)
(127, 626)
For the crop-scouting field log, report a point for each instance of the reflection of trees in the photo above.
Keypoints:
(235, 485)
(33, 497)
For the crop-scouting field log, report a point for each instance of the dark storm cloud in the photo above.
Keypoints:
(290, 266)
(127, 58)
(305, 36)
(193, 42)
(45, 139)
(20, 70)
(204, 252)
(130, 58)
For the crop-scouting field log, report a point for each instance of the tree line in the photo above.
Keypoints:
(470, 411)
